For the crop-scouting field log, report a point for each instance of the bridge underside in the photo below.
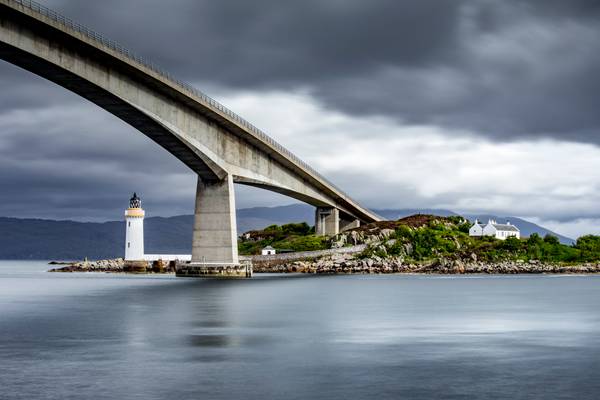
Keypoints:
(215, 143)
(215, 239)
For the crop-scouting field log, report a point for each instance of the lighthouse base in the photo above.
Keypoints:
(135, 266)
(213, 270)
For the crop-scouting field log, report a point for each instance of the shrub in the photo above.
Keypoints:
(293, 236)
(534, 239)
(403, 232)
(301, 228)
(551, 239)
(589, 247)
(272, 228)
(464, 227)
(511, 244)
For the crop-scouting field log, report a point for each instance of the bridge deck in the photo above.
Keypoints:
(189, 95)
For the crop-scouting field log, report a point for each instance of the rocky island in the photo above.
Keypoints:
(425, 244)
(431, 245)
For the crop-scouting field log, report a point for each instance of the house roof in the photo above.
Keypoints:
(268, 248)
(500, 227)
(505, 227)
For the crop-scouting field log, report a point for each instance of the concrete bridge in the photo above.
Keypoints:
(221, 147)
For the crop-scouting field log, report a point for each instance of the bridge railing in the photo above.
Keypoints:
(53, 15)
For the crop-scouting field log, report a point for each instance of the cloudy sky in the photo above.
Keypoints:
(477, 106)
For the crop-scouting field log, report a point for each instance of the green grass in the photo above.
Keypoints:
(438, 237)
(295, 237)
(448, 237)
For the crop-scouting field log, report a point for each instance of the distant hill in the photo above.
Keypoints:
(392, 214)
(69, 240)
(260, 217)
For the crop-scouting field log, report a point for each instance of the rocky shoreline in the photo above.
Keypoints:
(348, 264)
(115, 265)
(441, 244)
(345, 264)
(111, 265)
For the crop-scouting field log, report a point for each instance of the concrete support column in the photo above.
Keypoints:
(215, 230)
(349, 224)
(327, 221)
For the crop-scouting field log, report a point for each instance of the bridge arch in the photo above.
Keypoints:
(221, 147)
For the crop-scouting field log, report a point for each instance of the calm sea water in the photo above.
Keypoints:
(102, 336)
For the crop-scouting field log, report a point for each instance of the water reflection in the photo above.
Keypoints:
(351, 337)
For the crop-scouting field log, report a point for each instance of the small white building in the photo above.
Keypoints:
(476, 229)
(268, 251)
(492, 228)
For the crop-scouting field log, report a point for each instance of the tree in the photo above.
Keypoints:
(511, 244)
(301, 228)
(551, 239)
(589, 245)
(534, 246)
(534, 239)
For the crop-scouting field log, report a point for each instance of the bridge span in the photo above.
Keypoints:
(221, 147)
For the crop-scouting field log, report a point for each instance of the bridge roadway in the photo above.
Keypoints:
(221, 147)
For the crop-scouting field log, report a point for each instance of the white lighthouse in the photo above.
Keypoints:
(134, 230)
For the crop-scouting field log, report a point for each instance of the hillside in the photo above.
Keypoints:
(426, 238)
(69, 240)
(288, 237)
(440, 245)
(526, 227)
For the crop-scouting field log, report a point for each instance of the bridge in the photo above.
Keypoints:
(218, 145)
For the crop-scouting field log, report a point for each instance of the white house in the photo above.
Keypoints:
(492, 228)
(268, 251)
(476, 229)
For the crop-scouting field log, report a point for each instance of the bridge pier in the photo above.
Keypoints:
(347, 224)
(214, 243)
(327, 221)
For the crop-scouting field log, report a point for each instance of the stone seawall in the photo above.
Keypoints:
(272, 261)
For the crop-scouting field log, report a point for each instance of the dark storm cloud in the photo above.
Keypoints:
(506, 70)
(71, 160)
(24, 91)
(503, 70)
(268, 42)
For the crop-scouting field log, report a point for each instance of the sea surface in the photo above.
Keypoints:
(103, 336)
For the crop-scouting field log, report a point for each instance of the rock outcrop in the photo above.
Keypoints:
(346, 264)
(111, 265)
